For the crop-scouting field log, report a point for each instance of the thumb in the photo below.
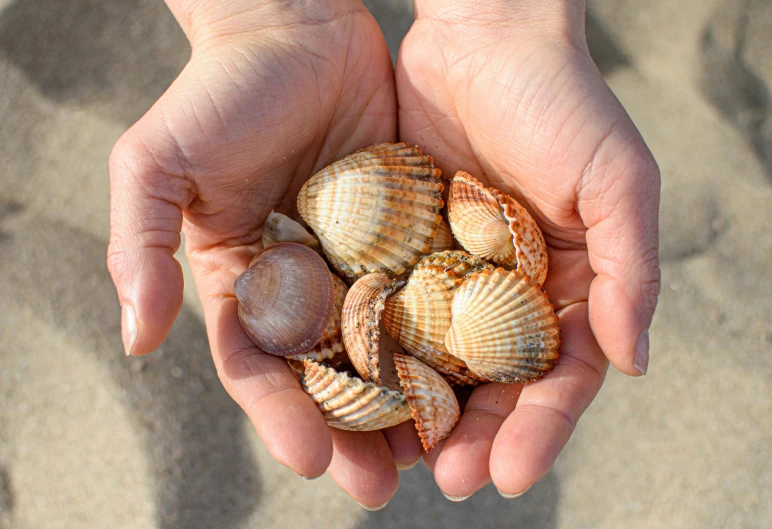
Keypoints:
(145, 220)
(619, 204)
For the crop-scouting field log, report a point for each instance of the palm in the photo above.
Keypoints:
(518, 115)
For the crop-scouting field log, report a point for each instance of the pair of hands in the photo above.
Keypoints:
(274, 91)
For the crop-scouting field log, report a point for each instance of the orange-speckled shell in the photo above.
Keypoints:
(360, 322)
(376, 210)
(419, 315)
(350, 404)
(332, 339)
(496, 227)
(433, 404)
(504, 327)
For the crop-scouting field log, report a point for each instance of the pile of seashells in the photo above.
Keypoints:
(456, 319)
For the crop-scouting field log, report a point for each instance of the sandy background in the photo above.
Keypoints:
(90, 439)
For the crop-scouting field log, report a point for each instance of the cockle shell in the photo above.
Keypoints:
(443, 241)
(360, 323)
(419, 315)
(433, 404)
(496, 227)
(280, 228)
(504, 327)
(376, 210)
(285, 299)
(331, 342)
(350, 404)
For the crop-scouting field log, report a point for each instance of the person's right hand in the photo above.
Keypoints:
(273, 92)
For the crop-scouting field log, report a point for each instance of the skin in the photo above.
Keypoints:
(274, 91)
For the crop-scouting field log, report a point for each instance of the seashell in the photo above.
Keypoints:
(360, 322)
(419, 315)
(350, 404)
(376, 210)
(285, 299)
(280, 228)
(443, 241)
(331, 342)
(496, 227)
(504, 327)
(433, 404)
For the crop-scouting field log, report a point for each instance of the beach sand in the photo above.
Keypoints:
(91, 439)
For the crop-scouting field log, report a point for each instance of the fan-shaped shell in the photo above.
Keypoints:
(504, 327)
(376, 210)
(443, 241)
(280, 228)
(360, 322)
(419, 315)
(350, 404)
(433, 404)
(332, 338)
(496, 227)
(285, 299)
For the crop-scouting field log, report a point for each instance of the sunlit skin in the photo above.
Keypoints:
(275, 91)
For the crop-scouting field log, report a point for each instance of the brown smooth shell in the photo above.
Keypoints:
(331, 342)
(433, 404)
(496, 227)
(350, 404)
(376, 210)
(360, 323)
(504, 327)
(285, 299)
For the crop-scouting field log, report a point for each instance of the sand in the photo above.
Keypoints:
(90, 439)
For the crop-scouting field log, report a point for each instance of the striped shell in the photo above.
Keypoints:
(496, 227)
(360, 322)
(376, 210)
(504, 327)
(349, 404)
(419, 315)
(433, 404)
(443, 240)
(332, 339)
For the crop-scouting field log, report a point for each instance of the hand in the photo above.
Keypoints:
(271, 95)
(508, 92)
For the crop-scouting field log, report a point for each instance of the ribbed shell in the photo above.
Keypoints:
(349, 404)
(419, 315)
(433, 404)
(496, 227)
(375, 210)
(504, 327)
(360, 322)
(332, 339)
(443, 241)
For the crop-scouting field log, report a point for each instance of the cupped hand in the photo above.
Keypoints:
(508, 92)
(272, 93)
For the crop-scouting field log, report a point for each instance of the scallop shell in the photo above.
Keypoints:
(332, 339)
(496, 227)
(285, 299)
(349, 404)
(504, 327)
(443, 241)
(419, 315)
(376, 210)
(433, 404)
(280, 228)
(360, 322)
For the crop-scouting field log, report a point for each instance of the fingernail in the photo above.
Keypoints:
(516, 495)
(455, 498)
(641, 361)
(373, 509)
(128, 328)
(407, 466)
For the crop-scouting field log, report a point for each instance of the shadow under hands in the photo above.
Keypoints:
(6, 499)
(730, 83)
(603, 49)
(419, 503)
(118, 54)
(203, 471)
